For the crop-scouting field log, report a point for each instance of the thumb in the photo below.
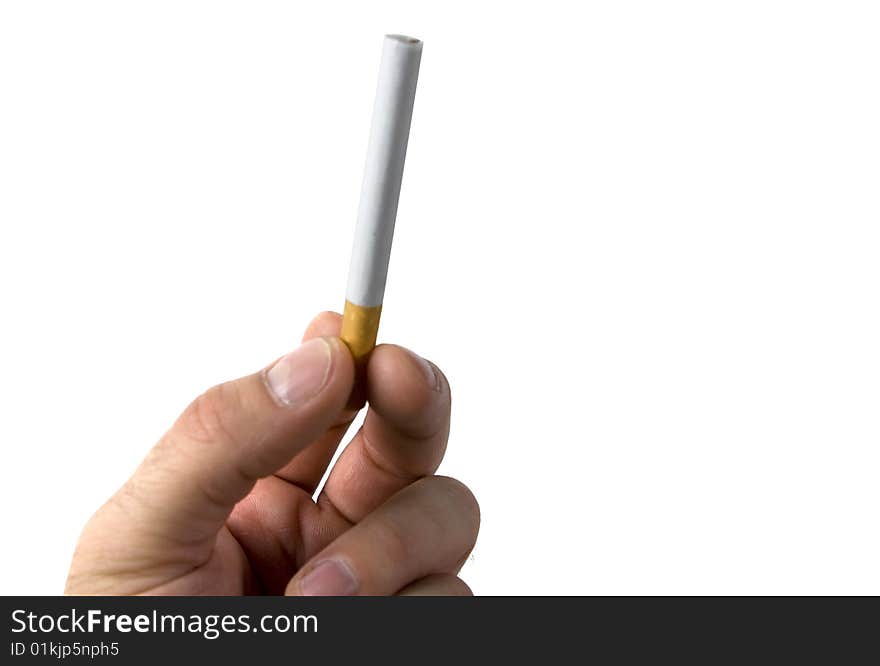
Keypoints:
(230, 436)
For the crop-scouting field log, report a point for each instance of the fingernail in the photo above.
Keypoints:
(330, 578)
(301, 374)
(431, 374)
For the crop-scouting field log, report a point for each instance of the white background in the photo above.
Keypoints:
(640, 238)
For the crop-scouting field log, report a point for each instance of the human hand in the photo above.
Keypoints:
(222, 505)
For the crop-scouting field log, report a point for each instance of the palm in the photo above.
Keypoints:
(269, 536)
(262, 545)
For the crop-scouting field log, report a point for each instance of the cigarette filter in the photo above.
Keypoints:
(386, 152)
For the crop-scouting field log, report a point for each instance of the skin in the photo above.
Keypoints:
(222, 505)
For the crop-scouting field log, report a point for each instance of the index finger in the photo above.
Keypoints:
(403, 437)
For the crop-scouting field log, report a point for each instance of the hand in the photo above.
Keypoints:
(223, 503)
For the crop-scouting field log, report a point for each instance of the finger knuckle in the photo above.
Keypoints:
(396, 541)
(460, 497)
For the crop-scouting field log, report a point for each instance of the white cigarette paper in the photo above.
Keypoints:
(392, 113)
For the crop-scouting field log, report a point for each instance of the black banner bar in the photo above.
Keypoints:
(127, 630)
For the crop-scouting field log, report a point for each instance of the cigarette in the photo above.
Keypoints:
(386, 152)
